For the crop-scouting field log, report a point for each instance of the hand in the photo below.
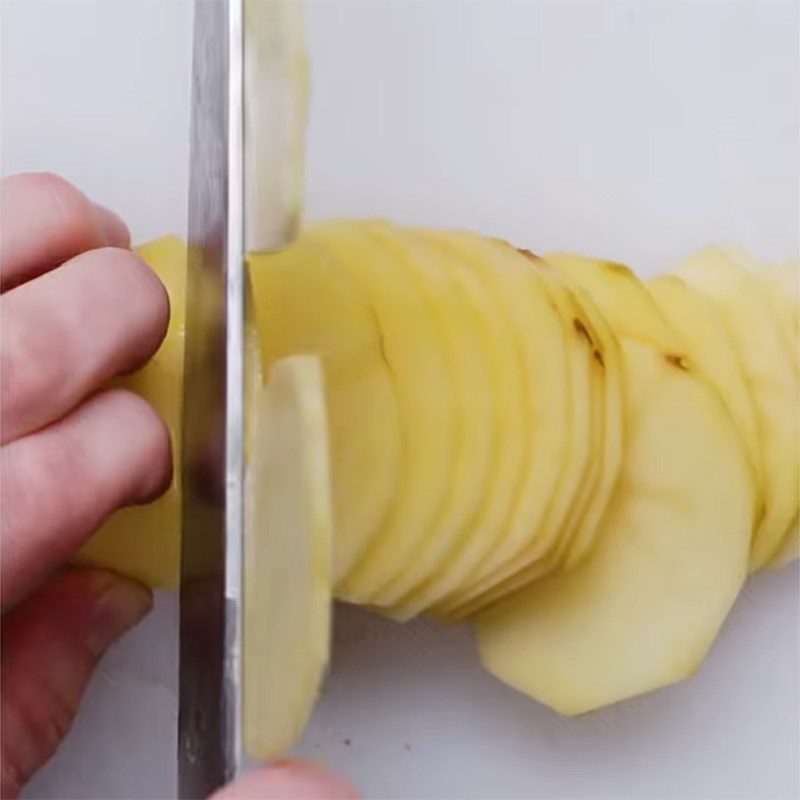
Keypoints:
(78, 308)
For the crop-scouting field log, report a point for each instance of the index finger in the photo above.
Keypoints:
(47, 221)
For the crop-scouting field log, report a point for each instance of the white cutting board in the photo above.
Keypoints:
(634, 130)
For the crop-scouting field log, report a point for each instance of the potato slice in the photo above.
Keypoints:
(287, 563)
(581, 467)
(749, 323)
(547, 359)
(145, 541)
(670, 558)
(509, 410)
(712, 354)
(413, 351)
(305, 303)
(621, 297)
(473, 410)
(608, 410)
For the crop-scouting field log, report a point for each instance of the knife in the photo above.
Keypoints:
(244, 195)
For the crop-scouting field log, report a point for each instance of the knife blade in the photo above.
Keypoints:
(209, 718)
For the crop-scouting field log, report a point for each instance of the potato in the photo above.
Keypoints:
(287, 557)
(749, 322)
(304, 303)
(144, 541)
(670, 558)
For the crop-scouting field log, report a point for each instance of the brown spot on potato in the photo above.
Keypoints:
(598, 357)
(528, 254)
(582, 331)
(678, 361)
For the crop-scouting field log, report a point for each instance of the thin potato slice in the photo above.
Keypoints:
(581, 466)
(510, 412)
(712, 354)
(144, 541)
(621, 297)
(287, 558)
(670, 558)
(413, 351)
(748, 319)
(473, 411)
(547, 360)
(305, 303)
(574, 549)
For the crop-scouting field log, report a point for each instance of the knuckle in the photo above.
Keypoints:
(151, 463)
(69, 205)
(144, 292)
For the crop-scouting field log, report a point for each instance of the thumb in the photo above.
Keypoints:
(50, 645)
(288, 780)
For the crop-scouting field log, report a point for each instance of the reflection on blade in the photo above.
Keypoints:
(209, 715)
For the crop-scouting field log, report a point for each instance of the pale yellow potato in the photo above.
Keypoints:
(473, 411)
(711, 353)
(413, 350)
(581, 465)
(671, 556)
(741, 301)
(287, 557)
(510, 414)
(305, 303)
(144, 542)
(573, 549)
(547, 351)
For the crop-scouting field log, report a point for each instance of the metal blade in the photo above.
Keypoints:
(209, 724)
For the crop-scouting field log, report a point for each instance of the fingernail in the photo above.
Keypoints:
(117, 609)
(114, 230)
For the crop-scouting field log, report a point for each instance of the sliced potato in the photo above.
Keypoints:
(712, 354)
(287, 558)
(749, 322)
(621, 297)
(669, 560)
(413, 351)
(581, 466)
(473, 411)
(144, 541)
(573, 549)
(547, 353)
(305, 303)
(510, 412)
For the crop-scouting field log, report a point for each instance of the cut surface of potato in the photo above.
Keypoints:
(287, 557)
(573, 549)
(413, 351)
(671, 555)
(712, 354)
(510, 413)
(749, 323)
(547, 353)
(621, 298)
(473, 410)
(305, 303)
(144, 541)
(580, 466)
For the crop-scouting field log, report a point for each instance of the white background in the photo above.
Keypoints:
(634, 130)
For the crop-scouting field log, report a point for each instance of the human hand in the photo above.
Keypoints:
(78, 308)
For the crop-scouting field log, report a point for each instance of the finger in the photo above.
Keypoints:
(288, 780)
(50, 645)
(62, 482)
(46, 221)
(65, 334)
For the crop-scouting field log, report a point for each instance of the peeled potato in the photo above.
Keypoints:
(749, 323)
(287, 557)
(144, 541)
(669, 560)
(304, 303)
(509, 415)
